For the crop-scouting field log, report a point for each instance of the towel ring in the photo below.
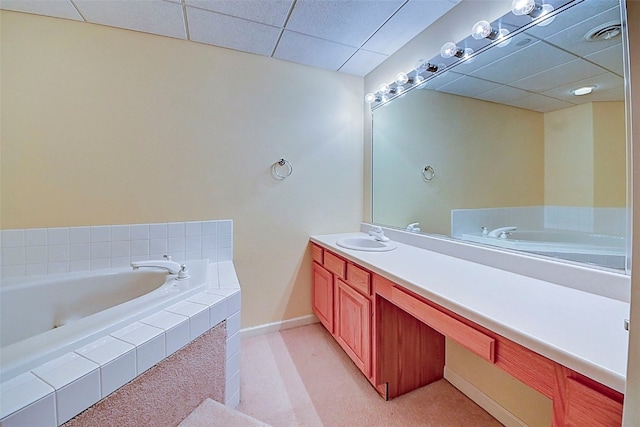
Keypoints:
(428, 173)
(280, 164)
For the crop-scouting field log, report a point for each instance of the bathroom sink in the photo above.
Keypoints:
(365, 244)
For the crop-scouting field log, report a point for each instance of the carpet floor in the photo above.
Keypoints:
(301, 377)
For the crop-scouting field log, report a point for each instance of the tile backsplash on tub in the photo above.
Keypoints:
(37, 251)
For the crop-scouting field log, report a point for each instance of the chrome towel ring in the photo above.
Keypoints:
(279, 166)
(428, 173)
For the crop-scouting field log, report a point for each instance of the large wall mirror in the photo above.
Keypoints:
(500, 150)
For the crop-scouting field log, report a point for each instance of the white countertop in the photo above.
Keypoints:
(582, 331)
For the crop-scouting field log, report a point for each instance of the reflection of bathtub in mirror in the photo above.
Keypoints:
(605, 250)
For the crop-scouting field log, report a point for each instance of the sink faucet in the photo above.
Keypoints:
(501, 232)
(378, 234)
(414, 227)
(171, 266)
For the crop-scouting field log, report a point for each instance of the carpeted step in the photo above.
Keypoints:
(211, 413)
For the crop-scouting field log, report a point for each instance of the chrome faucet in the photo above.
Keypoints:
(378, 234)
(414, 227)
(501, 232)
(167, 264)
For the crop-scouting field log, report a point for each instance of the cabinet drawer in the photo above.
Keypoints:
(476, 341)
(588, 407)
(316, 254)
(359, 279)
(334, 264)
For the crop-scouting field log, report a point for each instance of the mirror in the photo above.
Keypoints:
(499, 151)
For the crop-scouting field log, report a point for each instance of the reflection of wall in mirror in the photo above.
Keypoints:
(585, 156)
(484, 155)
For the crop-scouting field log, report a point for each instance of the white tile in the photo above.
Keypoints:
(227, 274)
(233, 401)
(158, 246)
(65, 369)
(20, 391)
(206, 299)
(121, 261)
(35, 254)
(193, 228)
(100, 250)
(13, 238)
(225, 254)
(194, 243)
(210, 253)
(225, 240)
(176, 244)
(210, 241)
(176, 338)
(225, 226)
(58, 236)
(139, 247)
(158, 231)
(100, 233)
(136, 258)
(58, 253)
(100, 263)
(233, 345)
(118, 372)
(36, 269)
(13, 270)
(150, 353)
(80, 235)
(120, 232)
(58, 267)
(198, 316)
(176, 329)
(41, 413)
(36, 237)
(176, 229)
(79, 251)
(120, 249)
(232, 365)
(233, 323)
(139, 231)
(232, 386)
(217, 313)
(209, 228)
(77, 396)
(82, 265)
(13, 256)
(177, 256)
(193, 255)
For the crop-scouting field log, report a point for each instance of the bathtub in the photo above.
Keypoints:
(45, 317)
(605, 250)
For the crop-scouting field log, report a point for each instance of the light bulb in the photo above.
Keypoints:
(449, 50)
(583, 90)
(522, 7)
(384, 88)
(421, 66)
(399, 89)
(370, 98)
(546, 9)
(482, 30)
(401, 79)
(502, 38)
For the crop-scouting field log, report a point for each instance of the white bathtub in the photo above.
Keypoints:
(608, 251)
(43, 318)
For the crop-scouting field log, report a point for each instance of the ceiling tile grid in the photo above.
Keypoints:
(350, 36)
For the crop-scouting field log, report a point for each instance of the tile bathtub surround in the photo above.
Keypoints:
(38, 251)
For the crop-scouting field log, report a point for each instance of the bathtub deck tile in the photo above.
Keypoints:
(65, 369)
(105, 350)
(21, 391)
(137, 333)
(77, 396)
(117, 373)
(176, 327)
(150, 353)
(41, 413)
(198, 316)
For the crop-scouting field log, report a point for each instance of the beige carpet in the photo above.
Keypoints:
(301, 377)
(211, 413)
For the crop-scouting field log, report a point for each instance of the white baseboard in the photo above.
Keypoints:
(484, 401)
(282, 325)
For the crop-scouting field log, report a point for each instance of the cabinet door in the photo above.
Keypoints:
(323, 296)
(353, 325)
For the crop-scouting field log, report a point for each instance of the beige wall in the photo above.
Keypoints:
(475, 165)
(585, 155)
(107, 126)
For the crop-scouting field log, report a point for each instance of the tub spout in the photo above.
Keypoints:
(171, 266)
(498, 232)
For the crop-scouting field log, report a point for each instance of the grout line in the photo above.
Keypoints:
(78, 10)
(186, 20)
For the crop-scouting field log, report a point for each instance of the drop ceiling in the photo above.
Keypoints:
(350, 36)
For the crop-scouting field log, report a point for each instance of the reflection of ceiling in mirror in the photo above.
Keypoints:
(541, 66)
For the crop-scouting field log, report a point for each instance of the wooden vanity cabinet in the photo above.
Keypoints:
(342, 302)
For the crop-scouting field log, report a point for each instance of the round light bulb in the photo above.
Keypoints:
(502, 38)
(399, 90)
(369, 98)
(522, 7)
(421, 65)
(481, 30)
(384, 88)
(401, 79)
(546, 9)
(448, 50)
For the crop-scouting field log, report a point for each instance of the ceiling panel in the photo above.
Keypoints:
(610, 58)
(230, 32)
(468, 86)
(349, 22)
(566, 73)
(603, 82)
(149, 16)
(270, 12)
(503, 94)
(312, 51)
(407, 23)
(362, 62)
(55, 8)
(540, 103)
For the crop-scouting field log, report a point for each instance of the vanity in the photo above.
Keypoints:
(391, 312)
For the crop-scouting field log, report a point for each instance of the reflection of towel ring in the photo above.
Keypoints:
(428, 173)
(282, 163)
